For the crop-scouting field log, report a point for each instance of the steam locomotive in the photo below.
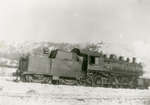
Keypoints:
(81, 67)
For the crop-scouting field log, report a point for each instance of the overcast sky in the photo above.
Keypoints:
(121, 21)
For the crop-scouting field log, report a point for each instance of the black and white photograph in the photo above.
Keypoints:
(74, 52)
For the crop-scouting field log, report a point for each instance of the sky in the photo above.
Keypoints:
(118, 21)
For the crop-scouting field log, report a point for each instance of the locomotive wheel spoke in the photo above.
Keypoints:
(89, 81)
(99, 81)
(48, 80)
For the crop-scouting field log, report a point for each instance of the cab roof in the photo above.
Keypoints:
(90, 53)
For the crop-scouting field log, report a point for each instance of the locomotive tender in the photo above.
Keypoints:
(80, 67)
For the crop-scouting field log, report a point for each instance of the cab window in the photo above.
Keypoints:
(94, 60)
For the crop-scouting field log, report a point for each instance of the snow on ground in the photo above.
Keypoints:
(39, 94)
(4, 71)
(18, 93)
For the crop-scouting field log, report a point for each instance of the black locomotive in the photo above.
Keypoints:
(81, 67)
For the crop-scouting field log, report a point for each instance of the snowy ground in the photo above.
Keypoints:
(12, 93)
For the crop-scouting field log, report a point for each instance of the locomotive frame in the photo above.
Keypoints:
(80, 67)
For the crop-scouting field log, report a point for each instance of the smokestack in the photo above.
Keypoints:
(133, 60)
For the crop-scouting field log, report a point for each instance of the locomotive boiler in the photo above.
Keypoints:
(81, 67)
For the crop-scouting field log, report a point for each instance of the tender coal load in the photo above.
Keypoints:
(81, 67)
